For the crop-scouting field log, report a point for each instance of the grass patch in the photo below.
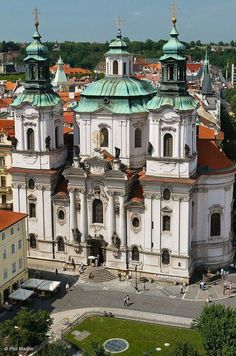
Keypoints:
(142, 337)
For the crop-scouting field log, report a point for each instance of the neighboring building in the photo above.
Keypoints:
(233, 75)
(13, 256)
(7, 132)
(148, 189)
(60, 82)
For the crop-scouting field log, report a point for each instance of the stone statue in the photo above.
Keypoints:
(14, 142)
(76, 151)
(115, 241)
(117, 152)
(187, 150)
(150, 149)
(48, 143)
(76, 235)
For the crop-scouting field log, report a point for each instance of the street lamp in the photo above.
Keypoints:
(136, 277)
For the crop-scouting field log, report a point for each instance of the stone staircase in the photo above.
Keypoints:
(98, 274)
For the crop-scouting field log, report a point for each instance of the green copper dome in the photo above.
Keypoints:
(119, 87)
(173, 48)
(118, 46)
(36, 50)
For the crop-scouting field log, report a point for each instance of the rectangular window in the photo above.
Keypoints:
(5, 273)
(3, 235)
(12, 230)
(20, 263)
(4, 255)
(4, 198)
(166, 223)
(13, 248)
(14, 267)
(2, 161)
(3, 181)
(19, 244)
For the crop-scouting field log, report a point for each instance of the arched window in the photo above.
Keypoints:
(30, 139)
(61, 215)
(135, 254)
(166, 223)
(168, 145)
(138, 137)
(115, 67)
(32, 210)
(215, 224)
(104, 137)
(31, 183)
(60, 244)
(171, 73)
(57, 136)
(97, 211)
(32, 241)
(165, 257)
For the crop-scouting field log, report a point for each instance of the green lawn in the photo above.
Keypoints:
(142, 337)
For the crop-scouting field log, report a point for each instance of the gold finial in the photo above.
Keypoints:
(36, 16)
(173, 8)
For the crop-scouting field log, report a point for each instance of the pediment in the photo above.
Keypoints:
(32, 197)
(96, 165)
(166, 209)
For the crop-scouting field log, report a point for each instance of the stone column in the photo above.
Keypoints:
(122, 221)
(83, 215)
(111, 218)
(72, 211)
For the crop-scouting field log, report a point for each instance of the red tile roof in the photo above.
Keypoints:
(68, 116)
(168, 180)
(7, 127)
(8, 218)
(70, 70)
(193, 67)
(211, 157)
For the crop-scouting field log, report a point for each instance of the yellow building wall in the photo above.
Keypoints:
(18, 255)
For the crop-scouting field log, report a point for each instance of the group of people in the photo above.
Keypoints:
(126, 301)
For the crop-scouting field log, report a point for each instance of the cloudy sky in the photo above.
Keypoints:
(95, 20)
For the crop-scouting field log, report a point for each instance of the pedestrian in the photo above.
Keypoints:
(56, 271)
(181, 289)
(127, 299)
(230, 287)
(125, 302)
(225, 287)
(67, 287)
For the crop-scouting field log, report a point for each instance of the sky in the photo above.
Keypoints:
(95, 20)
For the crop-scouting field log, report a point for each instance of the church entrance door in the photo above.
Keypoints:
(97, 250)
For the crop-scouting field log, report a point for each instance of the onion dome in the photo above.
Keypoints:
(174, 48)
(36, 50)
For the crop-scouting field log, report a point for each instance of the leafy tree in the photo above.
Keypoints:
(217, 326)
(27, 328)
(56, 348)
(184, 349)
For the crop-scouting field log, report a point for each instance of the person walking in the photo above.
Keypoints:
(67, 287)
(56, 271)
(125, 302)
(181, 289)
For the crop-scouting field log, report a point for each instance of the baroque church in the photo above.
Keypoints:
(146, 191)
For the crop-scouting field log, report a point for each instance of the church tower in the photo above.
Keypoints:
(172, 126)
(39, 150)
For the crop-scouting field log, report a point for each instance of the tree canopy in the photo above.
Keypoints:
(217, 326)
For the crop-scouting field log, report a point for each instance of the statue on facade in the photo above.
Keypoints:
(14, 142)
(115, 241)
(48, 143)
(76, 151)
(187, 150)
(117, 152)
(150, 149)
(76, 235)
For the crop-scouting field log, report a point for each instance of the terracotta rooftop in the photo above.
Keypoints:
(69, 70)
(67, 130)
(194, 67)
(7, 127)
(8, 218)
(34, 171)
(10, 86)
(68, 116)
(212, 159)
(208, 133)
